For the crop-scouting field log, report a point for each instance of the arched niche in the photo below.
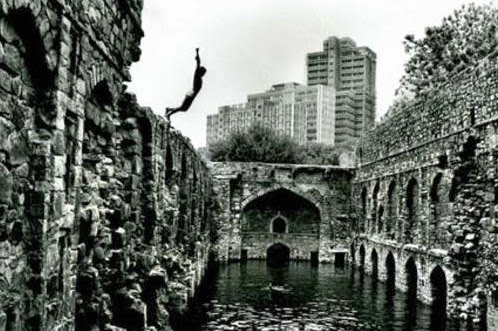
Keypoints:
(375, 202)
(299, 213)
(363, 209)
(412, 212)
(392, 202)
(279, 224)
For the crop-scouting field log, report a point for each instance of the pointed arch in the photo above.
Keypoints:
(392, 203)
(412, 205)
(375, 263)
(435, 193)
(411, 279)
(439, 288)
(363, 221)
(37, 77)
(24, 24)
(439, 293)
(380, 219)
(311, 196)
(390, 272)
(439, 198)
(375, 201)
(283, 211)
(362, 256)
(279, 224)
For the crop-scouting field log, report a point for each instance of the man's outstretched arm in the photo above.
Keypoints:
(197, 57)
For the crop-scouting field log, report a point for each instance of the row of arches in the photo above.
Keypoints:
(404, 213)
(410, 274)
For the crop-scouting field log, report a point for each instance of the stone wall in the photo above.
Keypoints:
(104, 208)
(107, 213)
(426, 187)
(244, 189)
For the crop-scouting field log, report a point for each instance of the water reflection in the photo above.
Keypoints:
(238, 297)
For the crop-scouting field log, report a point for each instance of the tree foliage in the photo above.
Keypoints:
(464, 38)
(258, 143)
(262, 144)
(318, 153)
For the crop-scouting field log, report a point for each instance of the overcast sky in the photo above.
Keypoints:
(247, 46)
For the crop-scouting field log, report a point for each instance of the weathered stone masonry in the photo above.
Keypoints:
(106, 211)
(104, 208)
(312, 201)
(426, 195)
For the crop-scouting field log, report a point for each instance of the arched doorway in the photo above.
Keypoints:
(411, 279)
(375, 198)
(277, 254)
(390, 226)
(279, 225)
(362, 256)
(439, 292)
(390, 273)
(380, 220)
(412, 201)
(375, 264)
(439, 288)
(363, 221)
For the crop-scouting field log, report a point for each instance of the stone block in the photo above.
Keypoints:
(59, 166)
(6, 185)
(59, 144)
(36, 203)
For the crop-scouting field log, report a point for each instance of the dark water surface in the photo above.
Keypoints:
(237, 297)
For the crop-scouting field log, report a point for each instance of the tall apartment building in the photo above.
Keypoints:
(351, 71)
(306, 113)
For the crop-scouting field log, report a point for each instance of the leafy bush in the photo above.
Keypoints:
(262, 144)
(258, 143)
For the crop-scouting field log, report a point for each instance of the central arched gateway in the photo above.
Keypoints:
(276, 217)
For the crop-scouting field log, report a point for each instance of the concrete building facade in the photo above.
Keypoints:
(351, 71)
(305, 113)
